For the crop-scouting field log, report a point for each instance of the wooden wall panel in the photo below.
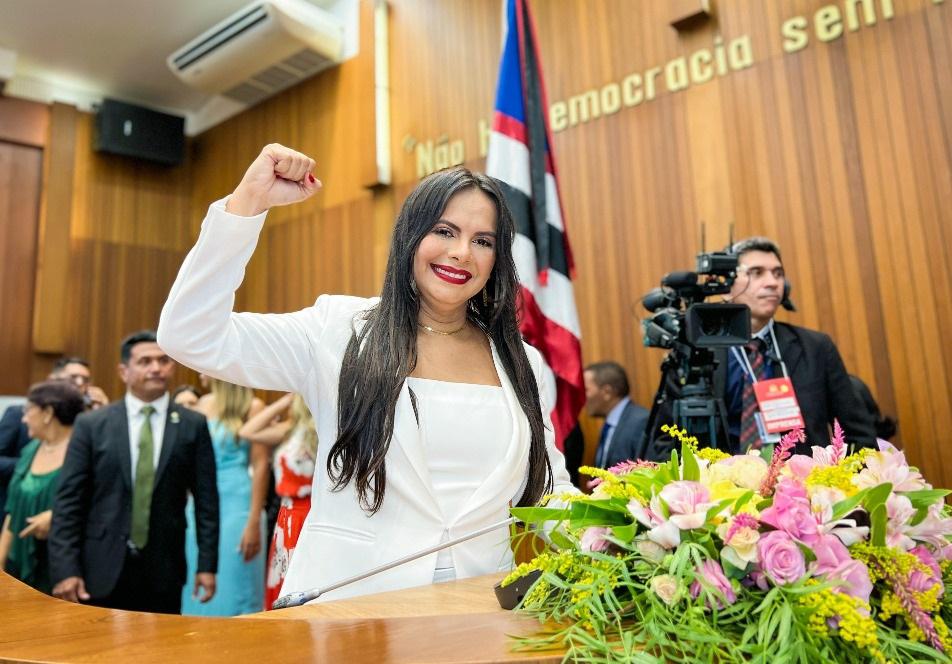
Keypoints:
(130, 228)
(56, 214)
(21, 169)
(24, 122)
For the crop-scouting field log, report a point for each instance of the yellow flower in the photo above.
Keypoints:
(838, 477)
(724, 489)
(681, 435)
(712, 455)
(849, 614)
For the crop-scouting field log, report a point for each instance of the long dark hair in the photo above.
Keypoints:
(384, 353)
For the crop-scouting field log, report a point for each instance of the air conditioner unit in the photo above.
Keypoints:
(260, 50)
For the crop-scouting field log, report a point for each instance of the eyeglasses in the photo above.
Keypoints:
(755, 271)
(78, 379)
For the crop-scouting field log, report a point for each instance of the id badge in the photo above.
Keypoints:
(779, 408)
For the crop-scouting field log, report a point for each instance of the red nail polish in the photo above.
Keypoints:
(311, 178)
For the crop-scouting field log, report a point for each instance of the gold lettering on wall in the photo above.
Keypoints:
(432, 156)
(677, 74)
(794, 33)
(583, 107)
(829, 22)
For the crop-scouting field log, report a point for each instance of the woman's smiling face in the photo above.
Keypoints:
(456, 257)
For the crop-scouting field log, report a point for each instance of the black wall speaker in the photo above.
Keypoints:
(134, 131)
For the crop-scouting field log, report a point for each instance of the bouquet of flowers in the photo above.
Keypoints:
(833, 557)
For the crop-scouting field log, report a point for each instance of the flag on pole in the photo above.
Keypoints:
(520, 157)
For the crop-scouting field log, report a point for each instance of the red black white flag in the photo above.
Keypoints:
(521, 158)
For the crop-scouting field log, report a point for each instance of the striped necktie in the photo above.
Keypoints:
(749, 434)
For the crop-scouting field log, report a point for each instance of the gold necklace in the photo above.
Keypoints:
(441, 332)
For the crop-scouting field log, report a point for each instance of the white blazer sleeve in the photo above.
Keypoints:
(199, 329)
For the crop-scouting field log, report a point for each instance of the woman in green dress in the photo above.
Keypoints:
(50, 411)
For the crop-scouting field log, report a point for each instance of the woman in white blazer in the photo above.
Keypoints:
(429, 392)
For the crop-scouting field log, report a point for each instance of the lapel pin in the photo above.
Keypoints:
(174, 417)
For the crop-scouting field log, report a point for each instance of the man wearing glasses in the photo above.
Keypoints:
(76, 371)
(804, 362)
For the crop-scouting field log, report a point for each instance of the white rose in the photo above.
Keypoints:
(650, 550)
(667, 588)
(748, 471)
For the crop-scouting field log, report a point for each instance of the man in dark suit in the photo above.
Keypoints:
(13, 438)
(118, 532)
(13, 433)
(606, 395)
(809, 358)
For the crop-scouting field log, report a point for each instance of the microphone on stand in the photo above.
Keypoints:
(303, 597)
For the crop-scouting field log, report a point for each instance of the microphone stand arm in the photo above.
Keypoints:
(303, 597)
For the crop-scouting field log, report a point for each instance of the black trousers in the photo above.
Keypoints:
(135, 590)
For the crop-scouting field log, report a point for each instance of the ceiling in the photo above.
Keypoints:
(80, 52)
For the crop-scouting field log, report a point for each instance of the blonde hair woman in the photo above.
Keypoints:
(288, 424)
(241, 498)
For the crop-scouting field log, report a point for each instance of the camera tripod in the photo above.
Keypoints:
(686, 397)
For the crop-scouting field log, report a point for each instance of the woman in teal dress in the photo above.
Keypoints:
(50, 411)
(242, 475)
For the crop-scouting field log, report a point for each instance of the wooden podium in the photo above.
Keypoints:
(451, 622)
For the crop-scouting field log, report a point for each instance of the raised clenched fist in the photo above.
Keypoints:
(278, 176)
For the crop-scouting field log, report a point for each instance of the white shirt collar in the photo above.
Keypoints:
(134, 405)
(764, 332)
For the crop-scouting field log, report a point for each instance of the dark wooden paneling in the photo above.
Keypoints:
(115, 289)
(20, 173)
(24, 122)
(52, 252)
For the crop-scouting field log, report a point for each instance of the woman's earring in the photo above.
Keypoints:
(413, 287)
(485, 297)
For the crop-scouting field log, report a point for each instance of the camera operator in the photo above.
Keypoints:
(809, 358)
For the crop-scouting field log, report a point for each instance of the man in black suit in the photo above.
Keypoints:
(13, 433)
(13, 438)
(118, 532)
(606, 395)
(809, 358)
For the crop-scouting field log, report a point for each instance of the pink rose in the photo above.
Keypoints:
(834, 563)
(757, 578)
(780, 557)
(711, 577)
(791, 513)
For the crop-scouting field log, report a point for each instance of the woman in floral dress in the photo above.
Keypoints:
(287, 424)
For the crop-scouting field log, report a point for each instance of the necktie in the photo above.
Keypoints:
(602, 451)
(142, 491)
(749, 435)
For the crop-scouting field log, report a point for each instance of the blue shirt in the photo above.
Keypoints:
(737, 378)
(611, 420)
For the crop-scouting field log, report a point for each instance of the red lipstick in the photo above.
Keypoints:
(451, 274)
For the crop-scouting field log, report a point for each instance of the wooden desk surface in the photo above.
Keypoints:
(453, 622)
